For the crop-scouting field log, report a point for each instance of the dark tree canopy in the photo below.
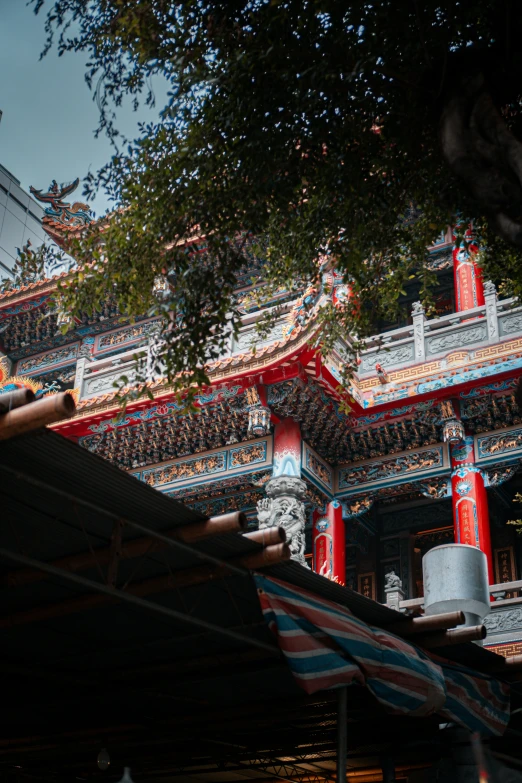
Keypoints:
(298, 129)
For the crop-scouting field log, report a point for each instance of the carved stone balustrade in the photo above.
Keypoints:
(284, 507)
(425, 340)
(94, 378)
(419, 342)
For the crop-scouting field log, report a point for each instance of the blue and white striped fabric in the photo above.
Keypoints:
(327, 647)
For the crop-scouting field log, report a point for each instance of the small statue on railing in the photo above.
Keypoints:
(392, 582)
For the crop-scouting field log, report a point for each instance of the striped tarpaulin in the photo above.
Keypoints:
(327, 647)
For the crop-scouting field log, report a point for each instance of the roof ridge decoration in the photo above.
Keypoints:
(59, 213)
(31, 289)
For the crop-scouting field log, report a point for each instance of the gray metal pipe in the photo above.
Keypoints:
(342, 733)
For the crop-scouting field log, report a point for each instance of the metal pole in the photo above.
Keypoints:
(342, 733)
(150, 606)
(388, 769)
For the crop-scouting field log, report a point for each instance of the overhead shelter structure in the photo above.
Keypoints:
(132, 623)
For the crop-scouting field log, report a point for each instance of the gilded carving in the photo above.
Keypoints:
(356, 507)
(36, 363)
(511, 323)
(247, 455)
(499, 444)
(127, 335)
(390, 468)
(436, 488)
(494, 477)
(190, 468)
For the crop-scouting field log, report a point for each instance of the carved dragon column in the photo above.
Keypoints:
(286, 491)
(468, 484)
(469, 287)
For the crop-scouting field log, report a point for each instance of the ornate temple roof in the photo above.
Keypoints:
(28, 291)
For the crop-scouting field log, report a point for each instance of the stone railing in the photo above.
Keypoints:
(504, 623)
(97, 376)
(94, 378)
(419, 342)
(424, 339)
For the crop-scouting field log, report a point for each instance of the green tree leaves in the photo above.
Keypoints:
(293, 129)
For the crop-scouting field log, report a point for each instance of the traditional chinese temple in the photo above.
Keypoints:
(421, 448)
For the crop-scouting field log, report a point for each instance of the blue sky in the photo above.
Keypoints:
(49, 117)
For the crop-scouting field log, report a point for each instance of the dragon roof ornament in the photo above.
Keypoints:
(61, 213)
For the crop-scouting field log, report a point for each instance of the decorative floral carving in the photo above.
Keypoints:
(507, 620)
(387, 358)
(511, 323)
(129, 334)
(494, 477)
(105, 383)
(457, 339)
(36, 363)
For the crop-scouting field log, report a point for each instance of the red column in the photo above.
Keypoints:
(287, 448)
(470, 502)
(328, 541)
(469, 287)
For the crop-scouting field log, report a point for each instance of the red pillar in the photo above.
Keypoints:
(287, 448)
(328, 541)
(469, 287)
(470, 502)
